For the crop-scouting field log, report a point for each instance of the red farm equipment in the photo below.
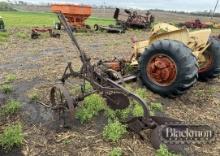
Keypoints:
(133, 19)
(75, 14)
(197, 24)
(35, 33)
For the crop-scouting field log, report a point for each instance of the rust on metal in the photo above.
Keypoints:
(196, 24)
(134, 20)
(75, 14)
(162, 70)
(36, 32)
(207, 64)
(117, 101)
(114, 65)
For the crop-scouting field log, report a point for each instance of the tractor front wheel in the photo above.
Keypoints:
(211, 67)
(168, 68)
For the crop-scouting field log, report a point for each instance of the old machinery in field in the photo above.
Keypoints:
(35, 33)
(134, 20)
(117, 97)
(110, 28)
(75, 15)
(197, 24)
(172, 59)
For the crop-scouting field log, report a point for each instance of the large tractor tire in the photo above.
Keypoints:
(168, 68)
(211, 68)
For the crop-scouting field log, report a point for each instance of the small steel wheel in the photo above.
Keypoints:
(61, 104)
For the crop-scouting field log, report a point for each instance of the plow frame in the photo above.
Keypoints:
(100, 83)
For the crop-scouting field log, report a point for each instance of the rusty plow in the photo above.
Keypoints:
(117, 97)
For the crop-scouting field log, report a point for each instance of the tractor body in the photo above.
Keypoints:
(197, 41)
(171, 60)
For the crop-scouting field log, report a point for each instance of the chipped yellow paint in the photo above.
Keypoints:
(195, 40)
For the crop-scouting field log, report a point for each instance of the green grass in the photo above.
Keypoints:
(163, 151)
(34, 19)
(3, 36)
(34, 96)
(138, 110)
(22, 35)
(10, 108)
(6, 88)
(27, 19)
(10, 78)
(75, 90)
(116, 152)
(100, 21)
(142, 92)
(117, 114)
(12, 136)
(156, 107)
(114, 131)
(92, 105)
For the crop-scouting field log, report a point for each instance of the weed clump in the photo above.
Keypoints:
(10, 78)
(156, 107)
(92, 105)
(22, 35)
(10, 108)
(117, 114)
(12, 136)
(78, 89)
(6, 88)
(163, 151)
(116, 152)
(142, 93)
(34, 96)
(114, 130)
(138, 110)
(3, 37)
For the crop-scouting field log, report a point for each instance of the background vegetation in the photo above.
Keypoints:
(38, 19)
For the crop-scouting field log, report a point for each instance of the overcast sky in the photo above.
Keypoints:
(185, 5)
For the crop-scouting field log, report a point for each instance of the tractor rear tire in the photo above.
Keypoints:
(212, 67)
(173, 63)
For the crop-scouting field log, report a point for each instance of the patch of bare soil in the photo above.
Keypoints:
(37, 64)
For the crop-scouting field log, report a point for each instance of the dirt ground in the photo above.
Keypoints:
(37, 64)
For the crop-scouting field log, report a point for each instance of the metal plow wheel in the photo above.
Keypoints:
(62, 104)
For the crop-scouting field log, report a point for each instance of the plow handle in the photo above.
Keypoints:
(69, 31)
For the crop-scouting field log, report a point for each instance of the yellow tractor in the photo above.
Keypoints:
(213, 24)
(172, 59)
